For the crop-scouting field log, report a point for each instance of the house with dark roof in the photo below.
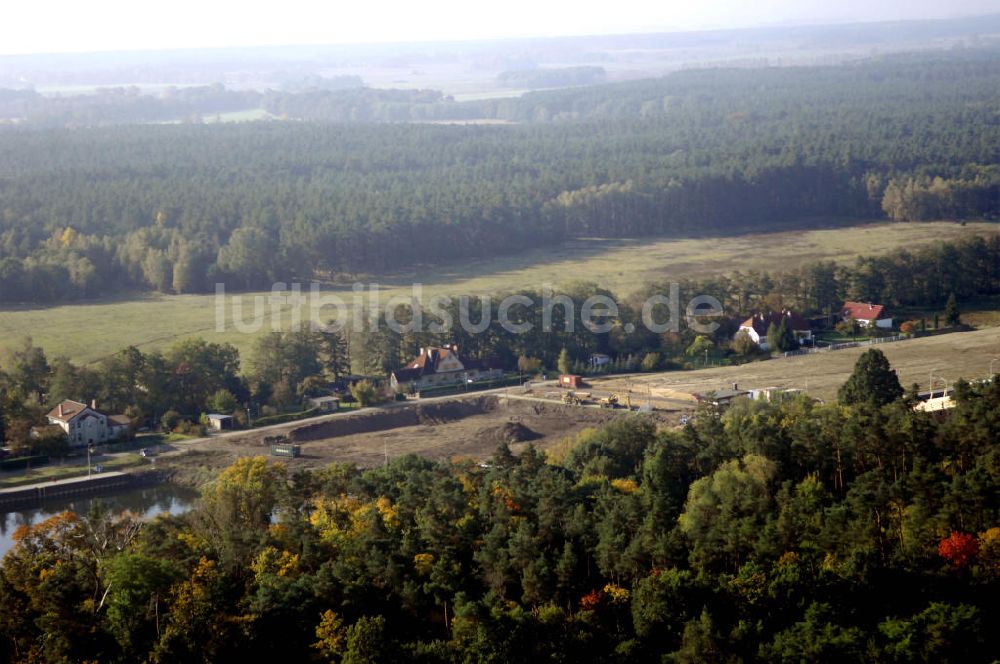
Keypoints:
(757, 326)
(866, 314)
(86, 425)
(436, 366)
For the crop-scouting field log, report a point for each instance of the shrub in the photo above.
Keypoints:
(170, 420)
(364, 392)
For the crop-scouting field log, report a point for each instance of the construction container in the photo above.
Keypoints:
(285, 450)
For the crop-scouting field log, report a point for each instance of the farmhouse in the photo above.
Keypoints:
(866, 314)
(757, 326)
(86, 425)
(437, 366)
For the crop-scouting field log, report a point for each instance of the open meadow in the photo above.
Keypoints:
(86, 332)
(948, 357)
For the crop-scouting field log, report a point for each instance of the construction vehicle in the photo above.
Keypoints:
(570, 399)
(610, 401)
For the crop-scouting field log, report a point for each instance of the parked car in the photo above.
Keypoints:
(146, 452)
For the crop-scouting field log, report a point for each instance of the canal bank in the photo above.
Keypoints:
(30, 495)
(143, 500)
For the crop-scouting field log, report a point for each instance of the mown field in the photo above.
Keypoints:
(948, 357)
(87, 332)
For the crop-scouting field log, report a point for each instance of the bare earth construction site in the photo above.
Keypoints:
(472, 426)
(447, 428)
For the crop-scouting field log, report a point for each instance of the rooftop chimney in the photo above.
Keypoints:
(93, 404)
(60, 410)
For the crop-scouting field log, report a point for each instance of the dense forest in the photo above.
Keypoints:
(88, 211)
(794, 531)
(122, 105)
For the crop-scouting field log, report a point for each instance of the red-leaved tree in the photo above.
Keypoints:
(959, 548)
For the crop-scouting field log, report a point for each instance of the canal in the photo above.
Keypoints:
(147, 501)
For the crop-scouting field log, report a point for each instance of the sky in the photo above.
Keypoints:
(68, 26)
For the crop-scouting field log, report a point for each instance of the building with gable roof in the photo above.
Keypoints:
(86, 425)
(437, 366)
(866, 314)
(757, 326)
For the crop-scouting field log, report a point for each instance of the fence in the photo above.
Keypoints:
(847, 344)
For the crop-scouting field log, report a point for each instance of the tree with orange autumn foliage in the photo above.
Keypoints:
(959, 549)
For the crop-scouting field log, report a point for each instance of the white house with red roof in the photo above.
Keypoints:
(866, 314)
(86, 425)
(436, 366)
(757, 326)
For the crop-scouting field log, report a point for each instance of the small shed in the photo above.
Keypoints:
(325, 404)
(220, 422)
(570, 381)
(723, 397)
(600, 359)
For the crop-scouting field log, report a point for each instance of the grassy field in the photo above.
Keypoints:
(948, 357)
(89, 331)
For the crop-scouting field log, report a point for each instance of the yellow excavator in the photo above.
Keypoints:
(570, 399)
(614, 400)
(610, 401)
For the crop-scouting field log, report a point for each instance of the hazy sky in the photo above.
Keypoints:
(44, 26)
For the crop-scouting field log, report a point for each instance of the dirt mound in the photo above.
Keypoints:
(508, 432)
(395, 417)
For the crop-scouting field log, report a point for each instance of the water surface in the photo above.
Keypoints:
(147, 501)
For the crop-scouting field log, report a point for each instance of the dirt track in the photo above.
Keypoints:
(468, 427)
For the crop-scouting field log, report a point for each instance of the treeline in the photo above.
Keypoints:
(352, 104)
(922, 198)
(786, 531)
(122, 105)
(166, 389)
(923, 277)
